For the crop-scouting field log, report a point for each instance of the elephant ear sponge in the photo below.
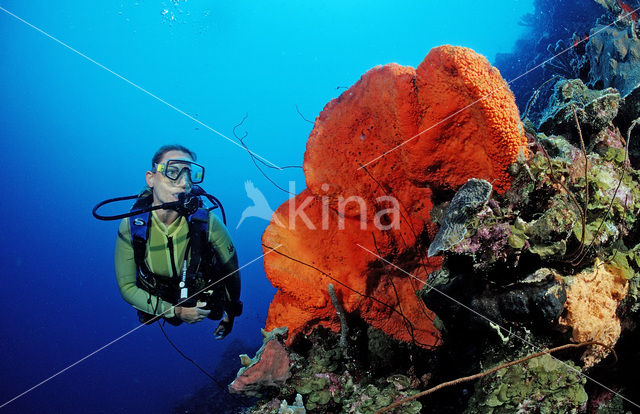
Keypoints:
(471, 123)
(413, 131)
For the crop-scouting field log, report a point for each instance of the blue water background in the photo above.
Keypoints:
(74, 134)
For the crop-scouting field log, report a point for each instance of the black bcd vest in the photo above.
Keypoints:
(202, 269)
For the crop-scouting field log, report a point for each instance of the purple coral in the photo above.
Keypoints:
(488, 244)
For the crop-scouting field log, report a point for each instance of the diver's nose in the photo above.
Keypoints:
(184, 181)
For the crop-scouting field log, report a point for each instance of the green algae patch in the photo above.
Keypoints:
(376, 397)
(540, 385)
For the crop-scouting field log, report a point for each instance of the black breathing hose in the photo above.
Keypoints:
(121, 216)
(187, 204)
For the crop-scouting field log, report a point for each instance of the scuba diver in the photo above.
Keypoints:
(174, 259)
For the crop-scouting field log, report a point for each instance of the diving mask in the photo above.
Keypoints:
(173, 169)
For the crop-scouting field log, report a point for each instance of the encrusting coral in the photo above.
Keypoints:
(593, 297)
(522, 243)
(269, 367)
(322, 381)
(374, 158)
(470, 198)
(543, 384)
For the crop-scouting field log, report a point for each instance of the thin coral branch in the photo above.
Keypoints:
(256, 160)
(577, 254)
(241, 139)
(564, 187)
(344, 328)
(625, 164)
(580, 253)
(534, 96)
(345, 285)
(490, 371)
(403, 215)
(302, 116)
(423, 307)
(408, 324)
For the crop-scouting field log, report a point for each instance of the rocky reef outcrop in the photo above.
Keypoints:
(371, 187)
(541, 385)
(552, 27)
(268, 368)
(497, 240)
(614, 55)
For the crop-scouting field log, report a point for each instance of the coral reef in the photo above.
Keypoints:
(441, 244)
(596, 109)
(497, 240)
(516, 261)
(326, 229)
(603, 52)
(553, 27)
(552, 251)
(471, 197)
(269, 367)
(614, 54)
(296, 408)
(541, 385)
(538, 301)
(593, 297)
(323, 381)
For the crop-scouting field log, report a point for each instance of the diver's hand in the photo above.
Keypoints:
(192, 315)
(224, 327)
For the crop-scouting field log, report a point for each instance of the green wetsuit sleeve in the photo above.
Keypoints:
(221, 241)
(125, 266)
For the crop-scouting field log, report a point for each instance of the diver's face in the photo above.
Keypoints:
(164, 189)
